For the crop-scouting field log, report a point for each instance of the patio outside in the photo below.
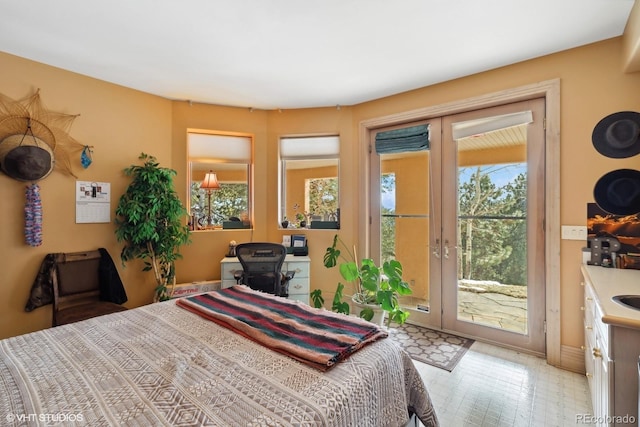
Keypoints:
(489, 304)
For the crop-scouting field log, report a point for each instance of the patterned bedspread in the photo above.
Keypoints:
(163, 365)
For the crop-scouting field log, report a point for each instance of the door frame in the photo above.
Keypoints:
(550, 91)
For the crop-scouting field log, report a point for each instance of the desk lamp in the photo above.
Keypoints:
(210, 183)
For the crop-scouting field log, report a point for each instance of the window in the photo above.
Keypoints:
(309, 183)
(219, 188)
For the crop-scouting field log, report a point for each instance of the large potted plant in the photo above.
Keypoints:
(151, 221)
(375, 287)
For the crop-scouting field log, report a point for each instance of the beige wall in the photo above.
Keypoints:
(202, 257)
(328, 121)
(121, 123)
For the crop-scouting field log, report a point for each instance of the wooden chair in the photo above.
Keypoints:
(76, 288)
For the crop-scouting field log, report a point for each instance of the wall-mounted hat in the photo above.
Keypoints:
(618, 135)
(618, 192)
(26, 158)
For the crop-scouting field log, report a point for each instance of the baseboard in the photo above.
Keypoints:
(572, 359)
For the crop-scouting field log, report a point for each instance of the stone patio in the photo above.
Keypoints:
(493, 309)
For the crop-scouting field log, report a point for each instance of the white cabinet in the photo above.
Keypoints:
(612, 346)
(299, 286)
(597, 361)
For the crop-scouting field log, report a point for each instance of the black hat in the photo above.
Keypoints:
(618, 135)
(26, 159)
(618, 192)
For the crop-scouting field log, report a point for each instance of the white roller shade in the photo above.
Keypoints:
(317, 147)
(216, 148)
(490, 124)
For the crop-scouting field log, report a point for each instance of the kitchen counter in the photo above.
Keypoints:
(609, 282)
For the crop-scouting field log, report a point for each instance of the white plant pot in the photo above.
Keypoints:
(378, 312)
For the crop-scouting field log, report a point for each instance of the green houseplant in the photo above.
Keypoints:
(151, 221)
(374, 286)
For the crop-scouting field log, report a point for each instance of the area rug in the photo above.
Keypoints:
(435, 348)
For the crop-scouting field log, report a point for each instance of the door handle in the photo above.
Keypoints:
(446, 249)
(436, 249)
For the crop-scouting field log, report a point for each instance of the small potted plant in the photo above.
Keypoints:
(375, 288)
(302, 221)
(300, 217)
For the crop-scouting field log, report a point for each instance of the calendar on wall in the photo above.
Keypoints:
(93, 202)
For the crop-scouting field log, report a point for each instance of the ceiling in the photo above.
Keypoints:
(283, 54)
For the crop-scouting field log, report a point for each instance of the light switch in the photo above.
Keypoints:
(574, 232)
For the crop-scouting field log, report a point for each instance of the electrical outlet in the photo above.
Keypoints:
(574, 232)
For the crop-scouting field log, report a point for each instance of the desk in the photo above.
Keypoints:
(299, 286)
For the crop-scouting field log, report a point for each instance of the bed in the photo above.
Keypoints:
(164, 364)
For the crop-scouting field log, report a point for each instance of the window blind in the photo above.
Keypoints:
(414, 138)
(216, 148)
(305, 148)
(490, 124)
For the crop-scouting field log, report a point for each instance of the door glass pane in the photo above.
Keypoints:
(492, 229)
(405, 222)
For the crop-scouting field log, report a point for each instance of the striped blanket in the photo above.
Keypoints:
(316, 337)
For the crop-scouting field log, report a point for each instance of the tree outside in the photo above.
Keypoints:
(491, 221)
(230, 200)
(322, 196)
(492, 224)
(388, 220)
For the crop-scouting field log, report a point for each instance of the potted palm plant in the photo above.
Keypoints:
(151, 221)
(376, 288)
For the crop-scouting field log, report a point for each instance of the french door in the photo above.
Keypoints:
(465, 218)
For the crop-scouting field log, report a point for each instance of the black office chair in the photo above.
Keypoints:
(262, 267)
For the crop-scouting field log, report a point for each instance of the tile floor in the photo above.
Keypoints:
(493, 386)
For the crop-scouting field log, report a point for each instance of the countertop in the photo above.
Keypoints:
(609, 282)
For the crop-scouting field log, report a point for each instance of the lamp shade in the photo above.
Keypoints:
(210, 181)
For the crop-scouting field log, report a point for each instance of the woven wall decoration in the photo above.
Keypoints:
(35, 140)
